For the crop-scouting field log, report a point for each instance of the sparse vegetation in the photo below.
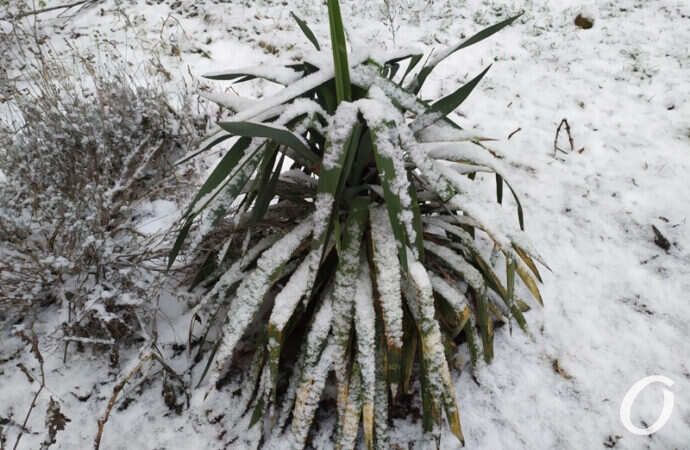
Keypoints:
(81, 151)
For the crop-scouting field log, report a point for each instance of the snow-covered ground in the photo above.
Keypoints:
(617, 305)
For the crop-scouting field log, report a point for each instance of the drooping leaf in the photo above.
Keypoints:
(277, 74)
(387, 266)
(417, 83)
(441, 108)
(177, 246)
(253, 288)
(345, 283)
(210, 145)
(389, 165)
(306, 30)
(365, 327)
(279, 135)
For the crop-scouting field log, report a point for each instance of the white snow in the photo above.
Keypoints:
(616, 305)
(385, 256)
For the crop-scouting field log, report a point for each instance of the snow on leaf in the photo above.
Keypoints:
(456, 262)
(251, 291)
(365, 317)
(349, 420)
(275, 73)
(437, 372)
(294, 90)
(285, 304)
(456, 299)
(388, 287)
(343, 293)
(308, 396)
(384, 120)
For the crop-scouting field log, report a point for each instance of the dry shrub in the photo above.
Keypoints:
(82, 148)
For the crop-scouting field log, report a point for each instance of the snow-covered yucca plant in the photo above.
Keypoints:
(348, 213)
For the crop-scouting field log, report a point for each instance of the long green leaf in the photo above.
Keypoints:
(280, 135)
(342, 69)
(417, 83)
(222, 170)
(387, 173)
(207, 147)
(177, 246)
(306, 30)
(485, 324)
(441, 108)
(267, 187)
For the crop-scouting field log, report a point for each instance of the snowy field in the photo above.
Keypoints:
(617, 304)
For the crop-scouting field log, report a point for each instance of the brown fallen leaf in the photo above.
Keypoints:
(560, 371)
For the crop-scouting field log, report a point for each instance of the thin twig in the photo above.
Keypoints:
(45, 10)
(570, 137)
(511, 134)
(39, 357)
(116, 391)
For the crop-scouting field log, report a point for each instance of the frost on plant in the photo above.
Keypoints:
(375, 273)
(81, 155)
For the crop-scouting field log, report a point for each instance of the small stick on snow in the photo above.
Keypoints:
(44, 10)
(34, 349)
(558, 131)
(116, 391)
(511, 134)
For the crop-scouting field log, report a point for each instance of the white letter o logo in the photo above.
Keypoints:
(632, 394)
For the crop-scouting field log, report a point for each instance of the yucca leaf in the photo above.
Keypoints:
(485, 325)
(337, 154)
(250, 386)
(310, 355)
(417, 83)
(177, 246)
(222, 170)
(285, 304)
(280, 135)
(390, 178)
(471, 337)
(306, 30)
(529, 282)
(207, 147)
(450, 405)
(340, 62)
(409, 351)
(258, 412)
(343, 293)
(510, 280)
(441, 108)
(431, 407)
(414, 60)
(381, 397)
(308, 395)
(365, 318)
(416, 217)
(267, 189)
(454, 304)
(528, 260)
(253, 288)
(327, 97)
(387, 266)
(348, 423)
(284, 75)
(495, 284)
(435, 373)
(351, 147)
